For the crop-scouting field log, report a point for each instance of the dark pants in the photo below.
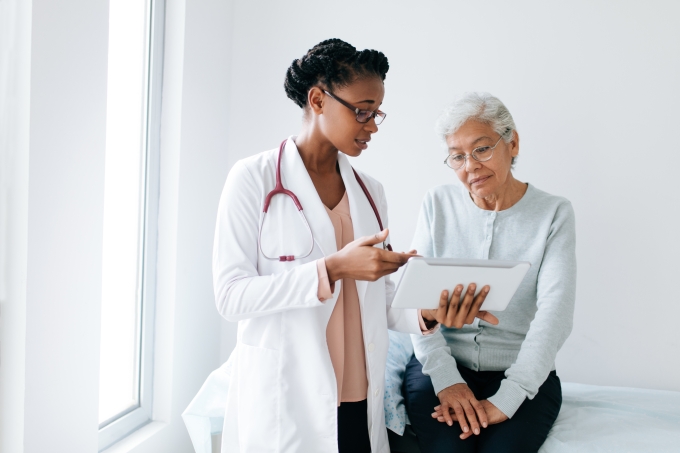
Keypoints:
(525, 432)
(353, 428)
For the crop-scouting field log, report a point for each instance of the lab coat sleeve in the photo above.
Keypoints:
(240, 292)
(400, 320)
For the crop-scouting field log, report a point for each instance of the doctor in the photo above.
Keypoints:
(312, 302)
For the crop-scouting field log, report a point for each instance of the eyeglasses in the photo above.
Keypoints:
(363, 116)
(480, 154)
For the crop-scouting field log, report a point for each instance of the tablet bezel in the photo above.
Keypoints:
(512, 280)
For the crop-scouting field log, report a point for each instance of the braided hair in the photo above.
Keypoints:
(334, 63)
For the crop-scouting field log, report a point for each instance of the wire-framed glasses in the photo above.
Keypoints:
(480, 154)
(363, 116)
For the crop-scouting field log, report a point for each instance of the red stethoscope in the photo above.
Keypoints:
(280, 190)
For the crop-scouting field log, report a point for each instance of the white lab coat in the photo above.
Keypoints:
(282, 394)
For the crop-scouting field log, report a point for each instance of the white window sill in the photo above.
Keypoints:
(135, 439)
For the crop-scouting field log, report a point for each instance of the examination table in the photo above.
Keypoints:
(602, 419)
(592, 419)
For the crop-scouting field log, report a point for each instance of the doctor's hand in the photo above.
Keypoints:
(456, 312)
(359, 260)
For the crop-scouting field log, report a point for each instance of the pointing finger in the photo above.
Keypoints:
(375, 239)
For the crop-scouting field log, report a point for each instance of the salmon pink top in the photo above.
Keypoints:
(344, 333)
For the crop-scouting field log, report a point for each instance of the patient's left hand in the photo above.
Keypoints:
(493, 414)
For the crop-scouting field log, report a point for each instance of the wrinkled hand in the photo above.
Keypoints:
(459, 400)
(493, 415)
(359, 260)
(456, 312)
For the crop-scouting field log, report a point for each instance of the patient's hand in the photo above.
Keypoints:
(459, 400)
(493, 415)
(454, 312)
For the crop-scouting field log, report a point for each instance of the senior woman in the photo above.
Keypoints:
(484, 387)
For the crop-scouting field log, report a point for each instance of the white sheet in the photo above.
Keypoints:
(205, 414)
(615, 419)
(593, 419)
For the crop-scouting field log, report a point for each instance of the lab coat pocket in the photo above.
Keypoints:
(259, 398)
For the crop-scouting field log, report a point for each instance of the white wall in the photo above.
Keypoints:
(593, 87)
(65, 217)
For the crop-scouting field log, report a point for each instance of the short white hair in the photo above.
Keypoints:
(478, 106)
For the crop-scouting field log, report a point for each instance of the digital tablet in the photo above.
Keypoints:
(424, 279)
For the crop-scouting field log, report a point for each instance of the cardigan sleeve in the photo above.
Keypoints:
(552, 324)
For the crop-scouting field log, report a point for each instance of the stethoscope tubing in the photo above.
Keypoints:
(280, 190)
(287, 257)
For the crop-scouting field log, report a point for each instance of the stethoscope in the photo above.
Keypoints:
(280, 190)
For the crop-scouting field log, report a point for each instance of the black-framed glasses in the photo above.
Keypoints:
(363, 116)
(480, 154)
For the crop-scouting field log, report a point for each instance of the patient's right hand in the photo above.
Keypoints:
(454, 312)
(460, 400)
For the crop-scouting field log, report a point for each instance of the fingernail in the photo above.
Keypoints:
(484, 424)
(477, 431)
(448, 423)
(465, 429)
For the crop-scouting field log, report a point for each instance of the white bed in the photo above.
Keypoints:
(615, 419)
(593, 419)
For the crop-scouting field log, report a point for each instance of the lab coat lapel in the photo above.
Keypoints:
(296, 179)
(364, 221)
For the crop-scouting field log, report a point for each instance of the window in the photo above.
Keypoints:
(130, 207)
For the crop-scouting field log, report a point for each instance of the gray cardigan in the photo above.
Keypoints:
(540, 229)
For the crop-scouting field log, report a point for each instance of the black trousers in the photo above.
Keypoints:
(525, 432)
(353, 434)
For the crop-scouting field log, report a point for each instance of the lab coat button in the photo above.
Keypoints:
(376, 392)
(371, 347)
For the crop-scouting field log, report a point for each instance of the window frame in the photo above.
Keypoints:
(112, 431)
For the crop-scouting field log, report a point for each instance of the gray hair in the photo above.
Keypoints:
(478, 106)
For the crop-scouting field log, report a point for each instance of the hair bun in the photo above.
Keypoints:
(333, 42)
(332, 62)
